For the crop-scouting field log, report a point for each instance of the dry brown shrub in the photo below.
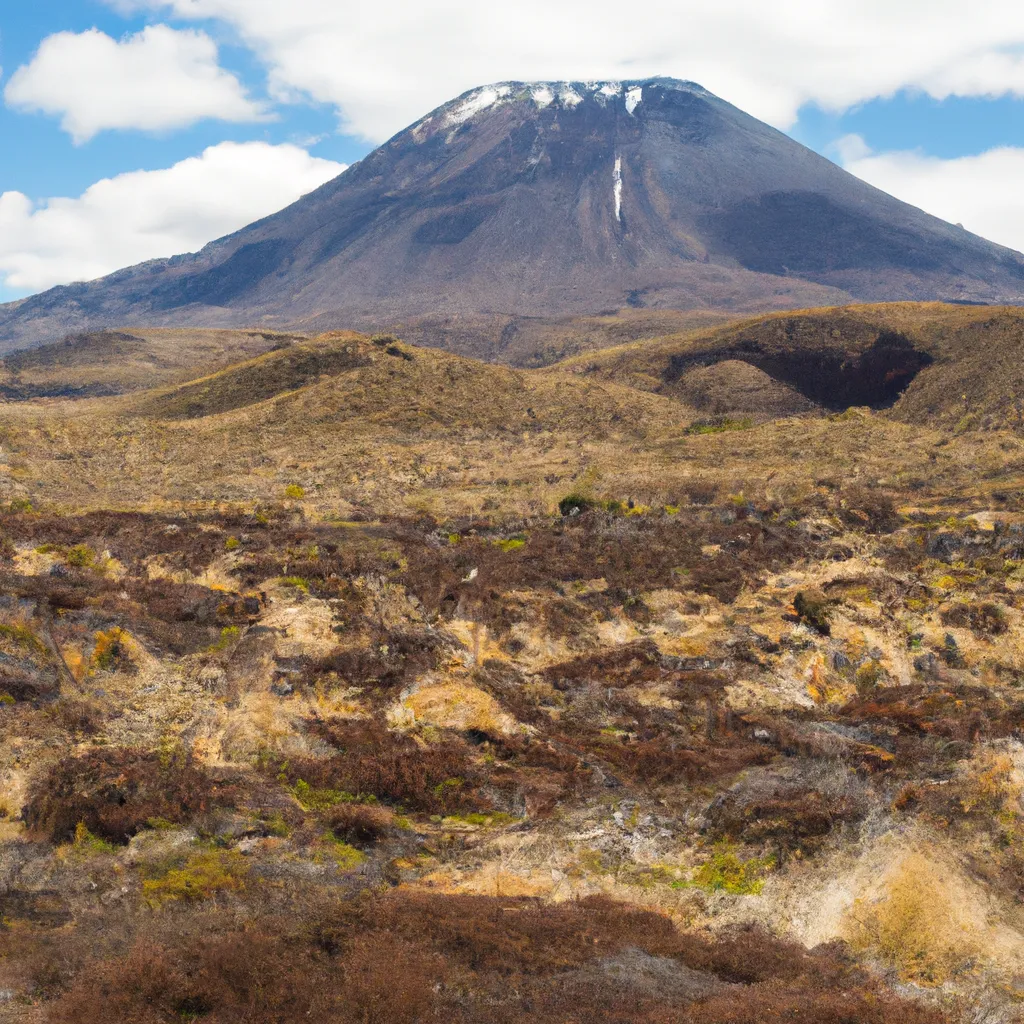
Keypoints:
(868, 509)
(633, 553)
(629, 664)
(787, 820)
(115, 792)
(75, 716)
(371, 761)
(385, 660)
(808, 1006)
(412, 957)
(359, 824)
(701, 492)
(665, 759)
(985, 618)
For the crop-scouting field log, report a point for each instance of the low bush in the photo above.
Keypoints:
(81, 556)
(725, 871)
(359, 824)
(815, 610)
(920, 924)
(575, 504)
(203, 876)
(986, 618)
(373, 762)
(785, 821)
(22, 637)
(868, 509)
(115, 792)
(110, 653)
(718, 425)
(389, 660)
(665, 760)
(416, 958)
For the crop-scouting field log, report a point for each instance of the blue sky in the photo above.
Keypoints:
(39, 159)
(304, 87)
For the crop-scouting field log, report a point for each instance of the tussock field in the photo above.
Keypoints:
(350, 680)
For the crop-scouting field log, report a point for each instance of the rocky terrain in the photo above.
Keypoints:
(347, 680)
(526, 202)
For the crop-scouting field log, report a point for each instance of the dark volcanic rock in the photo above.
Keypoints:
(545, 200)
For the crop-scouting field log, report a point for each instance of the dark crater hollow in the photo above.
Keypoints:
(831, 378)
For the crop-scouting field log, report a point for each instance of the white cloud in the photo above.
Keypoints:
(146, 214)
(385, 64)
(980, 192)
(158, 79)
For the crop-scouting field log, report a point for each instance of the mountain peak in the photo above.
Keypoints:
(561, 95)
(522, 199)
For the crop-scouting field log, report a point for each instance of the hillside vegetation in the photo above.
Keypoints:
(113, 362)
(353, 681)
(932, 364)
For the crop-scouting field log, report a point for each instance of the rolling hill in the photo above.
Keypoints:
(931, 364)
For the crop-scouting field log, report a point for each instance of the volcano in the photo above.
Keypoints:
(547, 200)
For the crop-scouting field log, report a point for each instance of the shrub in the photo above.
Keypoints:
(918, 926)
(987, 618)
(345, 856)
(723, 871)
(113, 793)
(788, 820)
(203, 876)
(22, 636)
(419, 958)
(75, 716)
(511, 544)
(664, 759)
(228, 635)
(81, 556)
(359, 824)
(718, 425)
(372, 762)
(815, 611)
(868, 509)
(86, 842)
(701, 492)
(319, 798)
(575, 504)
(111, 651)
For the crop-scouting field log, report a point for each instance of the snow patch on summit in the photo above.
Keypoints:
(489, 96)
(542, 96)
(568, 96)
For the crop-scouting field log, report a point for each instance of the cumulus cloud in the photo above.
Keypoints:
(384, 64)
(980, 192)
(158, 79)
(146, 214)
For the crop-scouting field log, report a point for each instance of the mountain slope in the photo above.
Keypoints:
(553, 199)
